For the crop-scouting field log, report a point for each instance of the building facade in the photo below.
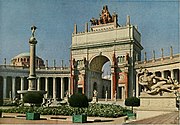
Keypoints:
(54, 80)
(105, 41)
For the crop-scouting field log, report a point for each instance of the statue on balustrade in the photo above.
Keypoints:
(157, 85)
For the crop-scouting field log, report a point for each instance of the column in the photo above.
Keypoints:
(162, 74)
(153, 54)
(69, 86)
(145, 57)
(22, 86)
(4, 87)
(13, 87)
(172, 74)
(46, 86)
(171, 52)
(54, 88)
(62, 88)
(162, 53)
(38, 84)
(137, 85)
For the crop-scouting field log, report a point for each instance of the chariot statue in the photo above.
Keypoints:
(157, 85)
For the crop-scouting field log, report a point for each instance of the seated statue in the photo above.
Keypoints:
(153, 84)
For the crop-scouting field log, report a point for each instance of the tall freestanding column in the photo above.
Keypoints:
(32, 68)
(32, 74)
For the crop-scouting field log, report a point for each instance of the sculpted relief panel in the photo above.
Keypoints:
(157, 85)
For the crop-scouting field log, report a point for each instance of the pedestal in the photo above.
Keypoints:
(94, 99)
(153, 105)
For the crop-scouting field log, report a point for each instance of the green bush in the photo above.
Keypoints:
(1, 101)
(33, 97)
(132, 101)
(0, 113)
(94, 110)
(78, 100)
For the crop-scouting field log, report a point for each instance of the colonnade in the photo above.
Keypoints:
(59, 86)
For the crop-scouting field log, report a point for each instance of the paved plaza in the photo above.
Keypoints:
(14, 118)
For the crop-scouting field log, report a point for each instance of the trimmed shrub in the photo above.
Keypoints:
(0, 113)
(132, 101)
(93, 110)
(78, 100)
(33, 97)
(1, 101)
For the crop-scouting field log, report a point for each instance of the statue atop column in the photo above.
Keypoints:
(33, 29)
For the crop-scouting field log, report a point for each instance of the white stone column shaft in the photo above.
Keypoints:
(172, 74)
(38, 84)
(62, 88)
(22, 86)
(4, 88)
(13, 87)
(22, 83)
(46, 87)
(162, 74)
(137, 85)
(54, 88)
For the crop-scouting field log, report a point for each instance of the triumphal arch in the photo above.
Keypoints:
(104, 41)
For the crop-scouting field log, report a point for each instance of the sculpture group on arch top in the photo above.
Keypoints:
(105, 17)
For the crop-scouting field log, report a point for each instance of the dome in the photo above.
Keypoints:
(22, 55)
(26, 54)
(23, 59)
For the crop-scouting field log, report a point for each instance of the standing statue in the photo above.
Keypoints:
(33, 29)
(95, 93)
(154, 85)
(115, 96)
(106, 96)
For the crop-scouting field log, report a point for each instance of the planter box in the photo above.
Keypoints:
(131, 115)
(32, 116)
(79, 118)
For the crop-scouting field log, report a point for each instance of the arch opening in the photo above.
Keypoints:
(100, 80)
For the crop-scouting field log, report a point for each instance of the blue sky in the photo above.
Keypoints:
(157, 21)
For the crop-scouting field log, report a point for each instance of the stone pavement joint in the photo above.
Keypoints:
(169, 118)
